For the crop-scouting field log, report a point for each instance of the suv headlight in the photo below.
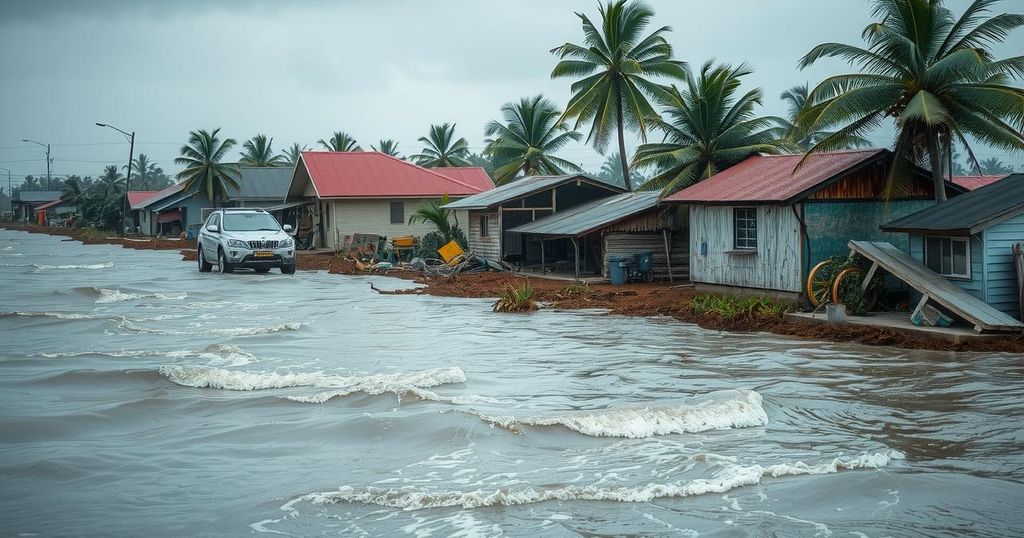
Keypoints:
(237, 243)
(287, 242)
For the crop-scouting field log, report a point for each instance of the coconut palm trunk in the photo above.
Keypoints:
(935, 158)
(622, 145)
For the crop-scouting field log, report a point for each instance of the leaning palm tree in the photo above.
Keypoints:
(387, 147)
(291, 154)
(442, 149)
(934, 74)
(527, 137)
(340, 141)
(257, 151)
(74, 192)
(710, 127)
(615, 64)
(111, 183)
(202, 158)
(796, 134)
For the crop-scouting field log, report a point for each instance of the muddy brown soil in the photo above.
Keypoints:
(655, 299)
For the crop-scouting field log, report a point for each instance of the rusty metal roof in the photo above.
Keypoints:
(774, 178)
(973, 182)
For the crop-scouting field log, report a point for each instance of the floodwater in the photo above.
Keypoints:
(140, 397)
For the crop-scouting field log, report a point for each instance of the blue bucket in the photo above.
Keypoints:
(617, 269)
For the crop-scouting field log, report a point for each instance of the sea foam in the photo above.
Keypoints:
(219, 378)
(54, 315)
(91, 266)
(721, 410)
(116, 296)
(729, 477)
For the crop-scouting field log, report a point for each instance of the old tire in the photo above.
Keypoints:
(204, 266)
(262, 270)
(222, 263)
(287, 269)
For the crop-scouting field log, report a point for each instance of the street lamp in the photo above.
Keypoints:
(128, 177)
(47, 146)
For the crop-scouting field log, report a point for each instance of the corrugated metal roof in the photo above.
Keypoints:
(262, 183)
(771, 178)
(161, 195)
(37, 196)
(473, 175)
(47, 205)
(592, 216)
(968, 213)
(524, 187)
(137, 198)
(369, 174)
(973, 182)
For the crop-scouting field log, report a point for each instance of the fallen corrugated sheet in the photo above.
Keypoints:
(983, 316)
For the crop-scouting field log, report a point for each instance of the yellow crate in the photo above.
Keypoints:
(450, 252)
(405, 241)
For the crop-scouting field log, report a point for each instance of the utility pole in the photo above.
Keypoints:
(47, 146)
(10, 191)
(126, 208)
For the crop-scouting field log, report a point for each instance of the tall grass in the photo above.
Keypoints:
(730, 307)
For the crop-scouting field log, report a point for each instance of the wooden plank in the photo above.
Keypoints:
(936, 287)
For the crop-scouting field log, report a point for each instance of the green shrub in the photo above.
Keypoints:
(730, 307)
(574, 290)
(516, 299)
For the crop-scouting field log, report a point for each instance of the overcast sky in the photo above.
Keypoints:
(298, 71)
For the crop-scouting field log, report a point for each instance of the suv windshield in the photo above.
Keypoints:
(250, 222)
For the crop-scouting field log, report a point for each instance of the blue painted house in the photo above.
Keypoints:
(970, 240)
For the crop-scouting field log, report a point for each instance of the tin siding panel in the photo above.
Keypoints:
(487, 247)
(1001, 284)
(831, 225)
(774, 266)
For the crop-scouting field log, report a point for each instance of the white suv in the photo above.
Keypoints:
(245, 238)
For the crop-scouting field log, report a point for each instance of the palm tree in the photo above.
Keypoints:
(994, 167)
(292, 153)
(74, 192)
(387, 147)
(340, 141)
(934, 74)
(433, 212)
(616, 64)
(440, 149)
(526, 139)
(145, 174)
(202, 158)
(708, 129)
(797, 135)
(111, 183)
(257, 151)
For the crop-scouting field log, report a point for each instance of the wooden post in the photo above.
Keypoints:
(868, 277)
(920, 305)
(576, 250)
(543, 266)
(668, 253)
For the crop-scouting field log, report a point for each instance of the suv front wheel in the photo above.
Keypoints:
(222, 262)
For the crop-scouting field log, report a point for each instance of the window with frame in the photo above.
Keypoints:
(397, 212)
(744, 228)
(485, 222)
(948, 256)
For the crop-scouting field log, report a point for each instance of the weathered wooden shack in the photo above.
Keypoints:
(763, 223)
(493, 214)
(581, 239)
(970, 240)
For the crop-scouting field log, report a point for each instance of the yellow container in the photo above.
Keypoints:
(450, 252)
(405, 241)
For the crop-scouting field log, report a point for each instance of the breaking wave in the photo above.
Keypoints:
(399, 382)
(730, 476)
(105, 265)
(723, 410)
(116, 296)
(54, 315)
(128, 325)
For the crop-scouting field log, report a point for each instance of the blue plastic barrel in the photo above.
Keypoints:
(617, 269)
(643, 261)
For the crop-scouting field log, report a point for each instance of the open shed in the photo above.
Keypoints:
(493, 214)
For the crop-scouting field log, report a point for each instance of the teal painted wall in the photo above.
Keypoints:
(830, 225)
(1000, 273)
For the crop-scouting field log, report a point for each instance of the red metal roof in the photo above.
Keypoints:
(973, 182)
(137, 197)
(770, 178)
(369, 174)
(47, 205)
(473, 175)
(158, 195)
